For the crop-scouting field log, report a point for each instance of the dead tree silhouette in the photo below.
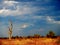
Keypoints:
(10, 30)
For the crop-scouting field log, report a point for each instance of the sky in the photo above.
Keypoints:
(29, 17)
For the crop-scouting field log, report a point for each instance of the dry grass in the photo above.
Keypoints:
(32, 41)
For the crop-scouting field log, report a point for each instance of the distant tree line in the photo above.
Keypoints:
(50, 34)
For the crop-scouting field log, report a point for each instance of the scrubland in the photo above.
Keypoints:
(31, 41)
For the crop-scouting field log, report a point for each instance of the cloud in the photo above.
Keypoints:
(27, 16)
(21, 26)
(17, 28)
(10, 2)
(14, 8)
(52, 20)
(24, 26)
(37, 17)
(8, 6)
(47, 19)
(18, 11)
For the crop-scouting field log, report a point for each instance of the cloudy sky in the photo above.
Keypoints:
(29, 17)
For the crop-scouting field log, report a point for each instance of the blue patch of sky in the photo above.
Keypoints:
(38, 23)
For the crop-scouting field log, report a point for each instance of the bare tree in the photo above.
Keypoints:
(10, 30)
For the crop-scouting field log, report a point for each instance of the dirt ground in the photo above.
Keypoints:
(30, 41)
